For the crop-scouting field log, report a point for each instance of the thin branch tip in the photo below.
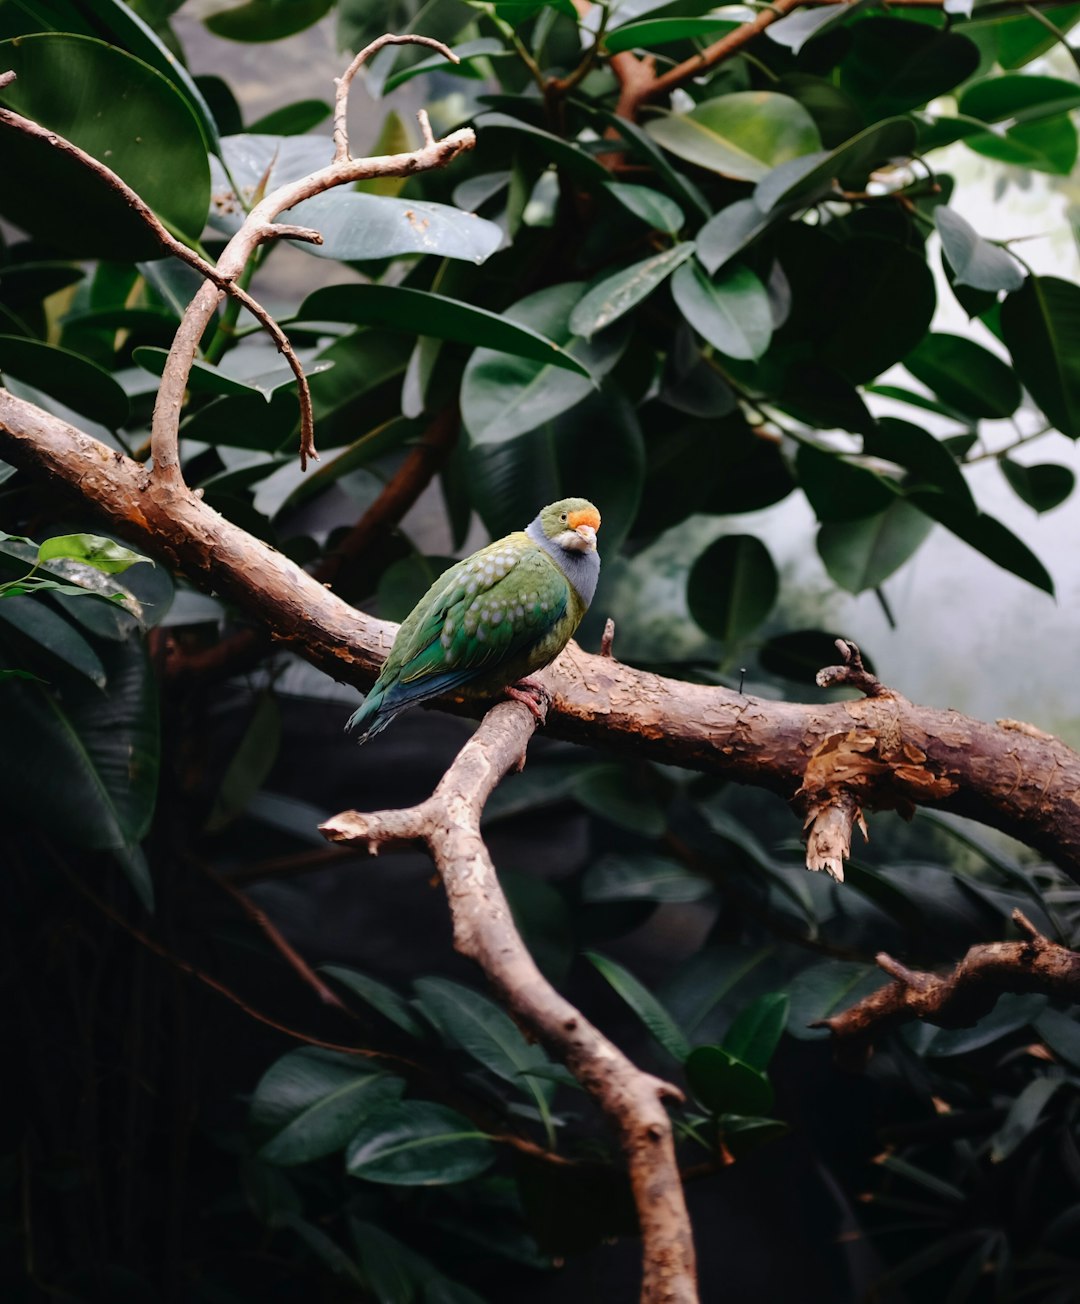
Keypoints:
(6, 78)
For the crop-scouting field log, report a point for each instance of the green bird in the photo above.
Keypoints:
(492, 619)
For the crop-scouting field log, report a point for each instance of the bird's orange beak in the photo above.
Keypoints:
(585, 523)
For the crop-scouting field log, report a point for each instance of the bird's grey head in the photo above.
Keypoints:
(566, 530)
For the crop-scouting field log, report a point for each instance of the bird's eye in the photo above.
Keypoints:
(562, 517)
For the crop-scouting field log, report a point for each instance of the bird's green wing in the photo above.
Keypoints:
(483, 611)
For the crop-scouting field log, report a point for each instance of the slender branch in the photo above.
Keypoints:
(224, 284)
(960, 998)
(899, 754)
(341, 97)
(449, 823)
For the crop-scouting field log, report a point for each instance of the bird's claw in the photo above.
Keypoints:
(533, 694)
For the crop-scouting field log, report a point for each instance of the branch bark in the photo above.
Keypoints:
(960, 998)
(449, 824)
(891, 753)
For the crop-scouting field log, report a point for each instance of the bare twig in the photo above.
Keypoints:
(960, 998)
(607, 640)
(449, 823)
(852, 673)
(341, 97)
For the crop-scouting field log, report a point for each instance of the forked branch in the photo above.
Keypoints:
(449, 824)
(960, 998)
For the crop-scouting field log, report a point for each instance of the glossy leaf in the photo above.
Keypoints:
(614, 793)
(99, 748)
(863, 553)
(292, 119)
(965, 376)
(1023, 1116)
(757, 1029)
(481, 1029)
(396, 307)
(895, 65)
(677, 183)
(651, 206)
(642, 876)
(357, 228)
(58, 638)
(799, 654)
(503, 396)
(92, 550)
(73, 380)
(648, 1009)
(803, 180)
(730, 232)
(617, 294)
(576, 160)
(1043, 486)
(1041, 327)
(418, 1143)
(317, 1104)
(389, 1003)
(732, 587)
(742, 135)
(265, 20)
(649, 32)
(730, 311)
(974, 261)
(147, 134)
(725, 1085)
(470, 56)
(795, 29)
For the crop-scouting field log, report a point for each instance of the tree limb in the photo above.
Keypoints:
(449, 823)
(888, 752)
(962, 997)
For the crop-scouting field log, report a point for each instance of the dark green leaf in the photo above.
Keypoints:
(800, 654)
(731, 311)
(266, 20)
(974, 261)
(1009, 1015)
(1024, 1114)
(825, 989)
(648, 1009)
(1041, 326)
(730, 231)
(75, 381)
(895, 64)
(965, 376)
(987, 535)
(100, 749)
(147, 133)
(795, 29)
(40, 624)
(1061, 1032)
(396, 307)
(357, 228)
(418, 1143)
(313, 1102)
(680, 186)
(757, 1030)
(863, 553)
(1042, 486)
(732, 587)
(652, 207)
(742, 135)
(610, 791)
(648, 33)
(389, 1003)
(292, 119)
(725, 1085)
(502, 396)
(931, 466)
(569, 156)
(615, 295)
(641, 876)
(803, 180)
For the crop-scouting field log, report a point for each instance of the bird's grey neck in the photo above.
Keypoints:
(582, 569)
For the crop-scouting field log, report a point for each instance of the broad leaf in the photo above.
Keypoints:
(732, 587)
(975, 261)
(1041, 327)
(803, 180)
(617, 294)
(651, 206)
(397, 307)
(730, 311)
(863, 553)
(418, 1143)
(965, 376)
(389, 1003)
(725, 1085)
(650, 32)
(730, 231)
(1042, 486)
(641, 876)
(742, 135)
(74, 381)
(895, 65)
(148, 135)
(645, 1005)
(92, 550)
(756, 1031)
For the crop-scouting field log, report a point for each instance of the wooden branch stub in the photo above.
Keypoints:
(829, 824)
(852, 673)
(960, 998)
(449, 823)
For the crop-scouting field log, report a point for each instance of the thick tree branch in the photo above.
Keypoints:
(893, 753)
(449, 823)
(960, 998)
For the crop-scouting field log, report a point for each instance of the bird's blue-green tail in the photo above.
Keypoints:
(369, 718)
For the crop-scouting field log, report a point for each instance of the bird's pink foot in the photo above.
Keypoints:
(533, 694)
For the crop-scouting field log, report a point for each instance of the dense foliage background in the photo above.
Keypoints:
(728, 275)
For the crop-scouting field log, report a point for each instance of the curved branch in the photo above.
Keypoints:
(960, 998)
(897, 754)
(449, 823)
